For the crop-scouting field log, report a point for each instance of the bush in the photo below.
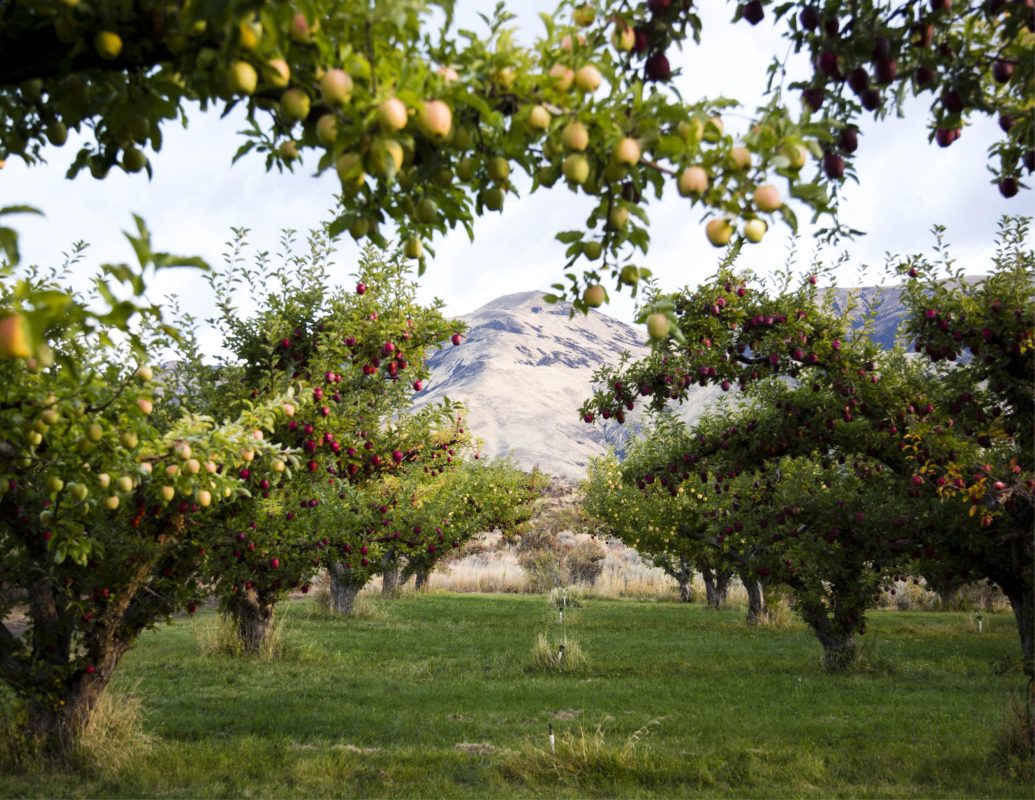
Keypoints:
(562, 655)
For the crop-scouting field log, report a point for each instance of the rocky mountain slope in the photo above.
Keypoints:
(525, 368)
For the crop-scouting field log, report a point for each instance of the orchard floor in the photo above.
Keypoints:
(433, 696)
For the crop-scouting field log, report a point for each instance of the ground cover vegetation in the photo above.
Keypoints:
(436, 695)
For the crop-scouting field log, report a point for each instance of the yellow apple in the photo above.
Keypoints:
(562, 77)
(336, 87)
(767, 198)
(14, 337)
(719, 231)
(594, 296)
(277, 73)
(436, 119)
(627, 151)
(392, 115)
(693, 182)
(588, 78)
(413, 248)
(243, 78)
(538, 118)
(575, 136)
(108, 45)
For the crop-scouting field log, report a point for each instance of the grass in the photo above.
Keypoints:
(434, 697)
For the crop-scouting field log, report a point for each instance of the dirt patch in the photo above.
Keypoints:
(568, 714)
(351, 748)
(476, 748)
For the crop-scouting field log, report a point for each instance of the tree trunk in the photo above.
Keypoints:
(757, 611)
(55, 732)
(1024, 612)
(253, 618)
(685, 578)
(422, 580)
(716, 587)
(343, 589)
(389, 578)
(839, 650)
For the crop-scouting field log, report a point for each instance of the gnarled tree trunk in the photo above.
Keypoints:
(835, 633)
(716, 587)
(344, 589)
(390, 583)
(757, 612)
(422, 580)
(252, 615)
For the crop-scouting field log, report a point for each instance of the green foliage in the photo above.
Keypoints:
(471, 107)
(841, 465)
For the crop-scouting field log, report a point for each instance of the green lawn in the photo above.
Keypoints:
(376, 707)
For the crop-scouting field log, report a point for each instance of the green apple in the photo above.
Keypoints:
(295, 104)
(618, 218)
(576, 168)
(754, 230)
(243, 78)
(413, 248)
(327, 130)
(657, 326)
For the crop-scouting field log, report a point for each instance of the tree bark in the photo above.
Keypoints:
(55, 732)
(343, 589)
(253, 618)
(716, 587)
(390, 576)
(757, 611)
(422, 580)
(839, 650)
(1023, 605)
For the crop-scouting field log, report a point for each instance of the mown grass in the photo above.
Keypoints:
(676, 701)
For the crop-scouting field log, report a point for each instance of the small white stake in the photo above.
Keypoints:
(553, 744)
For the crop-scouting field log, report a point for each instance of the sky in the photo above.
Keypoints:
(196, 196)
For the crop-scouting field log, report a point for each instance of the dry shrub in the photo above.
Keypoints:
(778, 603)
(561, 655)
(217, 635)
(576, 756)
(1014, 752)
(115, 739)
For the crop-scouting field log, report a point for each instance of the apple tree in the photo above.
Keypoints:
(466, 500)
(428, 125)
(357, 356)
(954, 435)
(105, 488)
(657, 518)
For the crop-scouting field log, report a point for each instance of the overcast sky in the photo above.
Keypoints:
(906, 187)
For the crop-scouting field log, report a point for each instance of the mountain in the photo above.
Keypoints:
(525, 368)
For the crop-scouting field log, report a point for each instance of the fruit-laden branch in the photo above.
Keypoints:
(40, 54)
